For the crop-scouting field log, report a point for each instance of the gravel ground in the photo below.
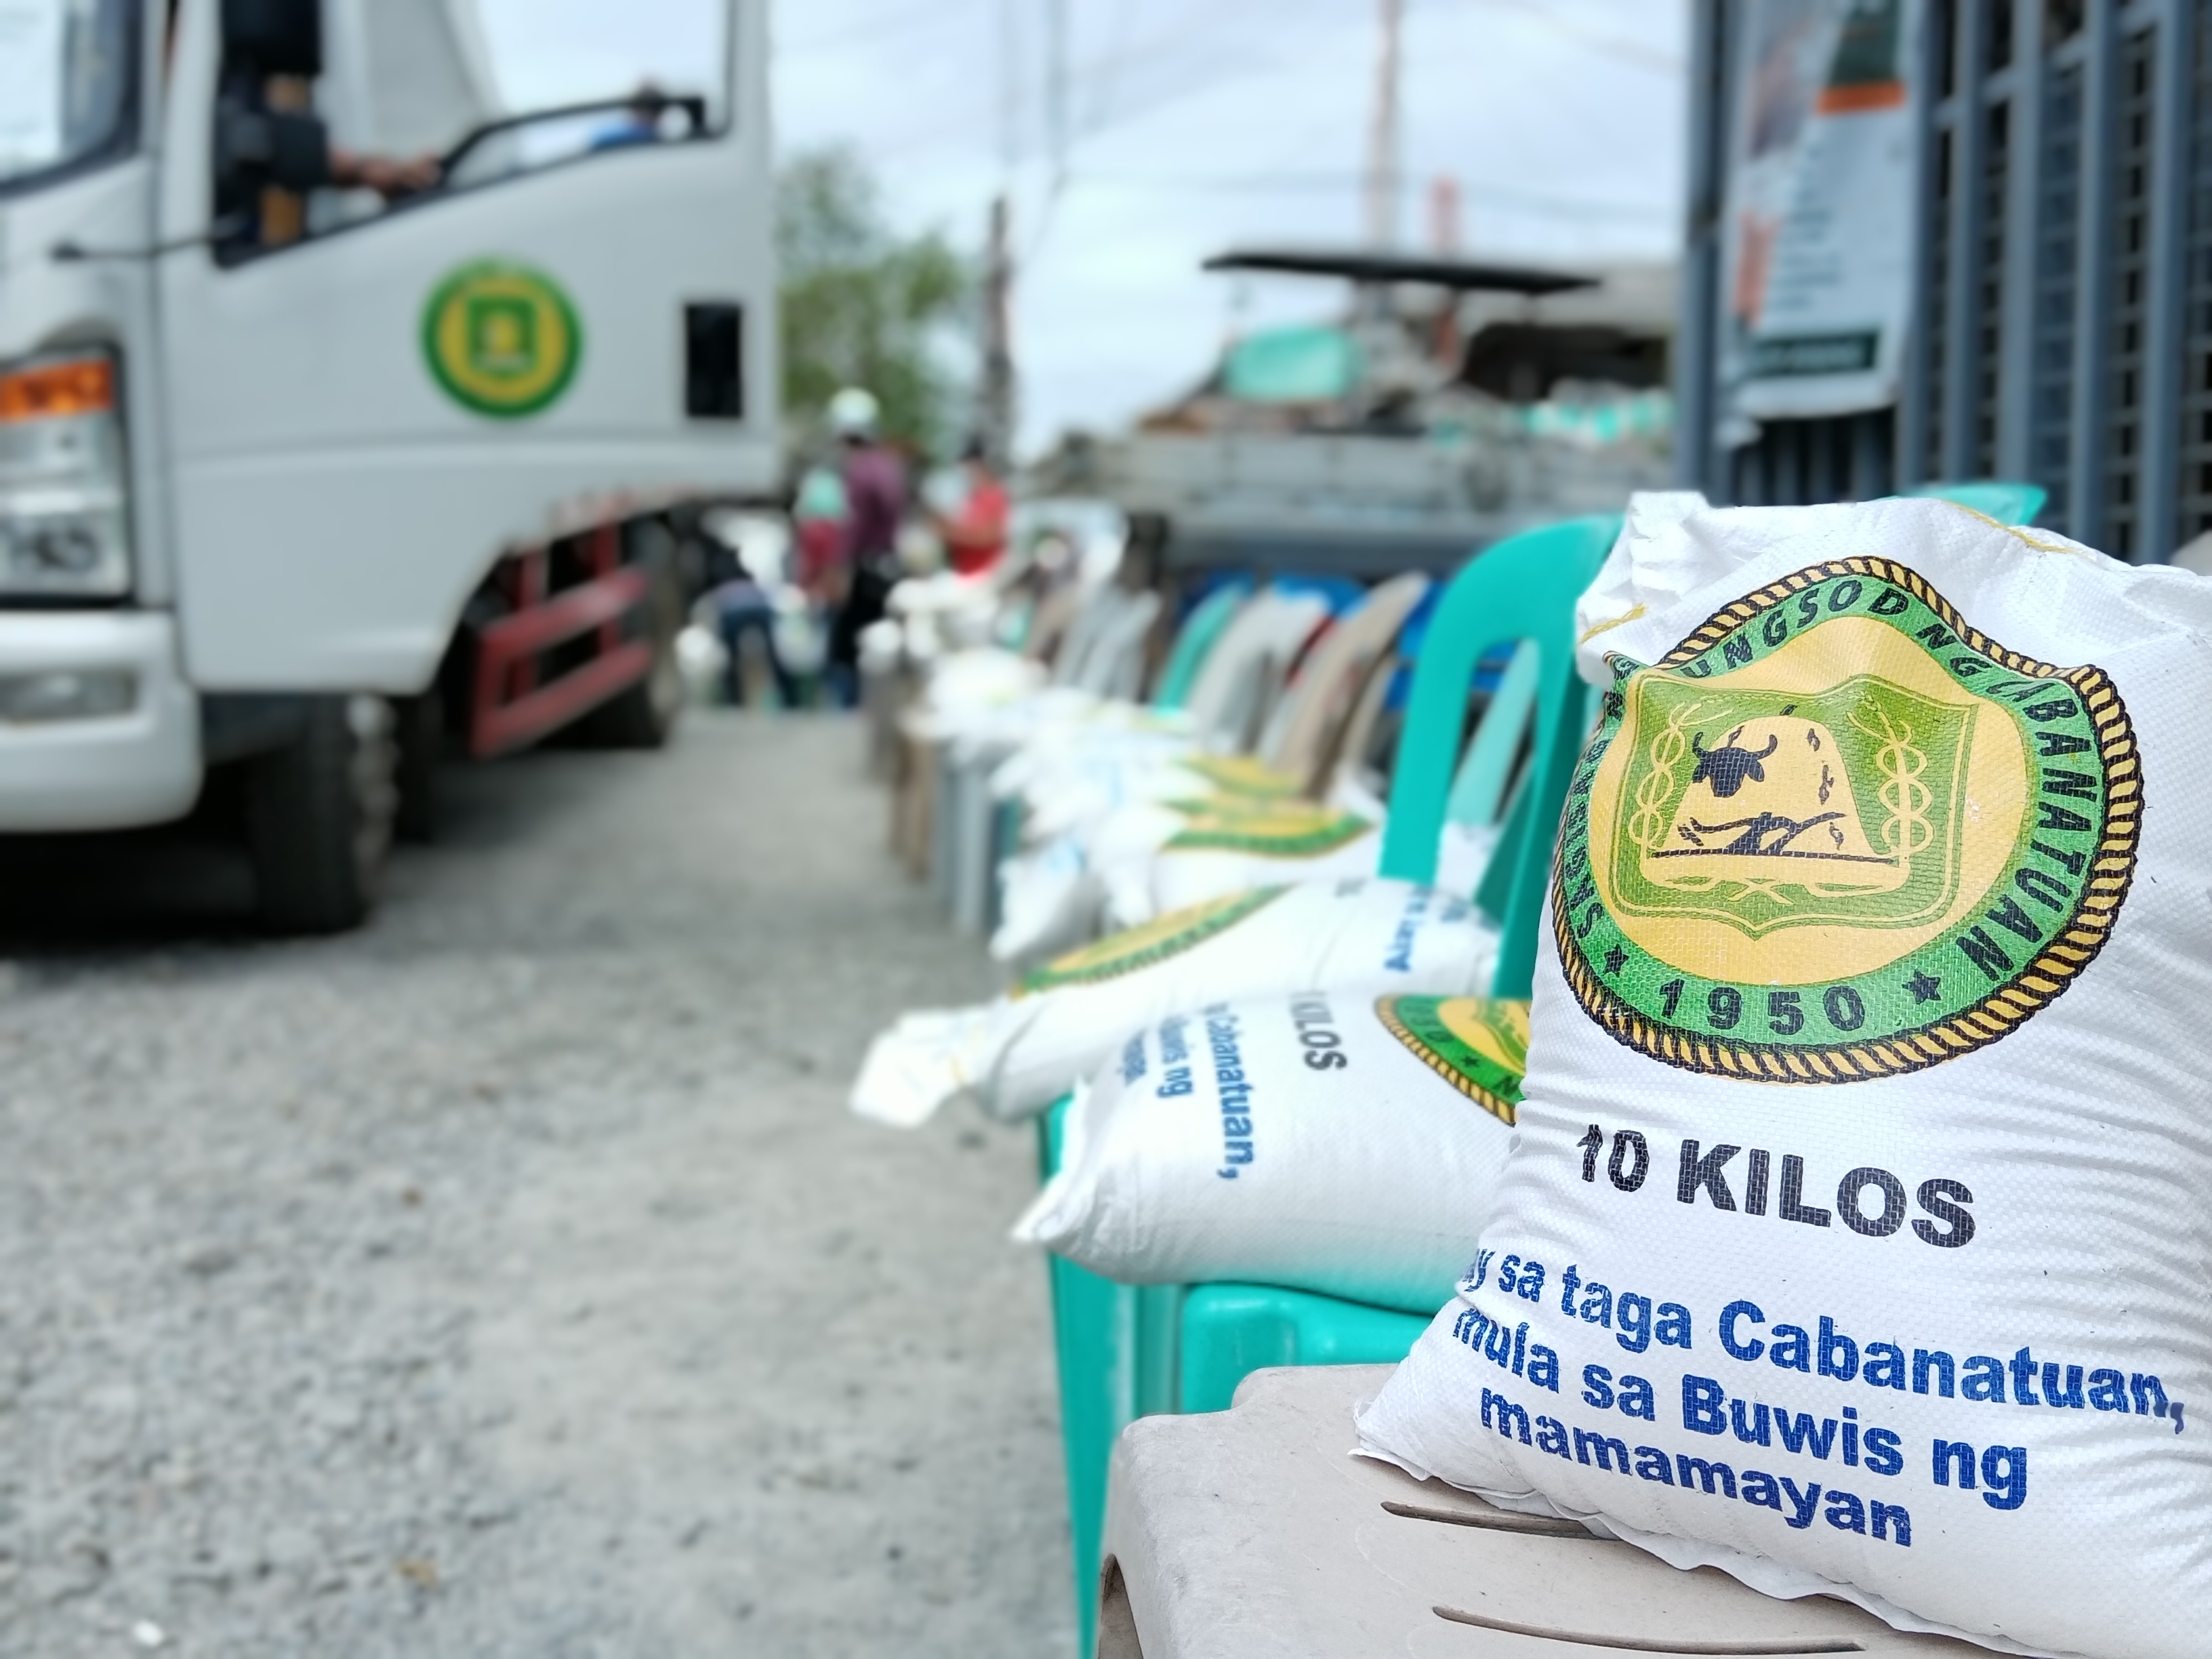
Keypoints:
(509, 1278)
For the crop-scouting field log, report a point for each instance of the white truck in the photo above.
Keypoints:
(300, 481)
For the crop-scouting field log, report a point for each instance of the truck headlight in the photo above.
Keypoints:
(63, 528)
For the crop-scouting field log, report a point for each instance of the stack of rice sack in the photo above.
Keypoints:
(1851, 1238)
(1293, 1081)
(1336, 1142)
(1019, 1053)
(1149, 773)
(1146, 862)
(1071, 786)
(1296, 1079)
(974, 702)
(1298, 1085)
(1115, 840)
(1212, 825)
(977, 689)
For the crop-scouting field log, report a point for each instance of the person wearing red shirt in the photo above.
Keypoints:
(975, 537)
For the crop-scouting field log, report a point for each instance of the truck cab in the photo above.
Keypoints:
(353, 383)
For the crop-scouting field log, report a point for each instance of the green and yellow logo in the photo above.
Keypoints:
(1141, 946)
(1224, 804)
(1267, 827)
(1479, 1045)
(1839, 834)
(1241, 774)
(501, 339)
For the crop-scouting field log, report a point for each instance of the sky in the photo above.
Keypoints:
(1189, 126)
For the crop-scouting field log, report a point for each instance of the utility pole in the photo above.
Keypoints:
(1444, 243)
(1383, 175)
(998, 388)
(1009, 97)
(995, 394)
(1443, 214)
(1055, 88)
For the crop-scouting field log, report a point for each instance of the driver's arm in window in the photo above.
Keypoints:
(390, 177)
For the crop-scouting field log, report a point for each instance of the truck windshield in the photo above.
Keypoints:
(64, 81)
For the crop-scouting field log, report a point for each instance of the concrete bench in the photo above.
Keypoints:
(1251, 1531)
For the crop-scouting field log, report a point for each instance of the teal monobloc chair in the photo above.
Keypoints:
(1194, 642)
(1523, 591)
(1129, 1350)
(1201, 632)
(2005, 501)
(1479, 790)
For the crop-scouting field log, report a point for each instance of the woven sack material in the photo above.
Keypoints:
(1346, 1146)
(1023, 1051)
(1852, 1241)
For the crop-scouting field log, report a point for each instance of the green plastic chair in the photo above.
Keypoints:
(1201, 632)
(1226, 1331)
(1114, 1347)
(1479, 790)
(2006, 502)
(1523, 589)
(1129, 1350)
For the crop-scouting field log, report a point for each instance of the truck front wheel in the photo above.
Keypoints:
(319, 817)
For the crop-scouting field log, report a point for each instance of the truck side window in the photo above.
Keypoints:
(370, 105)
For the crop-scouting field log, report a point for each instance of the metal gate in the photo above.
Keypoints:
(2062, 295)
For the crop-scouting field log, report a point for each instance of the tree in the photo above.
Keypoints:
(863, 305)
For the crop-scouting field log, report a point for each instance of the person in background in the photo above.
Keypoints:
(742, 606)
(640, 123)
(975, 537)
(819, 522)
(875, 502)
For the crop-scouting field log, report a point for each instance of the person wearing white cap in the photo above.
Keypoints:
(875, 496)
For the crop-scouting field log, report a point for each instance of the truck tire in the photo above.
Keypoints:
(319, 817)
(419, 732)
(641, 716)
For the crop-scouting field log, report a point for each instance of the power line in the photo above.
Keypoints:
(1542, 202)
(1108, 73)
(1056, 89)
(1626, 48)
(1161, 47)
(887, 23)
(1194, 40)
(956, 120)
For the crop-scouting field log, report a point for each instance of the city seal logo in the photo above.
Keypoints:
(501, 339)
(1240, 775)
(1479, 1045)
(1267, 827)
(1838, 833)
(1149, 942)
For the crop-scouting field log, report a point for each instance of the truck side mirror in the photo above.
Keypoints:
(273, 37)
(264, 138)
(258, 146)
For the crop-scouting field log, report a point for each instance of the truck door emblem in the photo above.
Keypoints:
(501, 338)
